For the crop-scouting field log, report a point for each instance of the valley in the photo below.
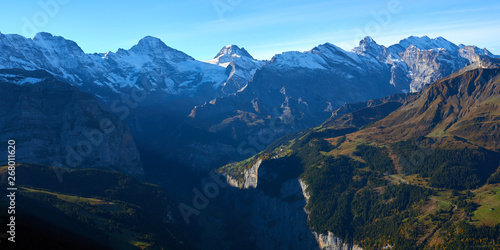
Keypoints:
(148, 148)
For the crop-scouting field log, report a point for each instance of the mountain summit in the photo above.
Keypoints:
(230, 51)
(426, 43)
(369, 47)
(157, 48)
(240, 67)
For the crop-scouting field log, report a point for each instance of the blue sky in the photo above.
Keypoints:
(264, 27)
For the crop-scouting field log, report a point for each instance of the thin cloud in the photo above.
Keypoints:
(315, 12)
(464, 11)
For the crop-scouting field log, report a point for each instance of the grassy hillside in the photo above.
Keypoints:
(90, 209)
(426, 176)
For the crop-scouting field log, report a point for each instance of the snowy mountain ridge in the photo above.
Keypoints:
(234, 95)
(413, 63)
(302, 89)
(168, 70)
(240, 66)
(407, 60)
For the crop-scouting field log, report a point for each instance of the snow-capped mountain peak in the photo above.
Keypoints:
(56, 46)
(236, 56)
(233, 50)
(473, 53)
(156, 48)
(239, 64)
(228, 53)
(369, 47)
(44, 39)
(43, 35)
(327, 47)
(150, 42)
(426, 43)
(367, 40)
(329, 51)
(412, 63)
(169, 70)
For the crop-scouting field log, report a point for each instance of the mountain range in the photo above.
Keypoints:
(57, 125)
(410, 64)
(295, 90)
(234, 98)
(332, 149)
(170, 72)
(399, 172)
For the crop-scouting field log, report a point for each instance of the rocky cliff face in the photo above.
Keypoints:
(150, 65)
(424, 60)
(453, 106)
(427, 66)
(331, 242)
(327, 241)
(55, 124)
(240, 67)
(279, 219)
(275, 221)
(299, 90)
(291, 92)
(250, 177)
